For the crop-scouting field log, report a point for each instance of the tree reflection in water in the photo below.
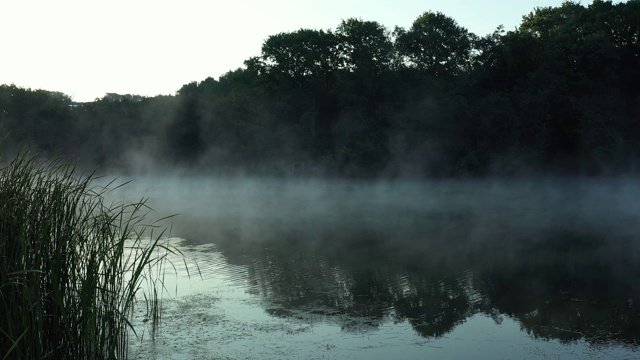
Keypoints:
(558, 257)
(564, 285)
(569, 286)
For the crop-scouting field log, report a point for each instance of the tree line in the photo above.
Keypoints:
(559, 94)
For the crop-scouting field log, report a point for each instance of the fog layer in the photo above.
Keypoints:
(414, 215)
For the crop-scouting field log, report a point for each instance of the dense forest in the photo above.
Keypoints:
(559, 94)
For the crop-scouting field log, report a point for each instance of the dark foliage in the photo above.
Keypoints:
(559, 95)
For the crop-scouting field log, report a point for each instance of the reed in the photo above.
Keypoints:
(71, 264)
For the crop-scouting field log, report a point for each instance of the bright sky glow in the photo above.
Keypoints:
(149, 47)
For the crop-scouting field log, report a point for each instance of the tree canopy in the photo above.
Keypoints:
(559, 94)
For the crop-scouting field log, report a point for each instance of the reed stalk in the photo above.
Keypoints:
(71, 264)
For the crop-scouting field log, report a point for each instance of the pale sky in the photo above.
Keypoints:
(86, 48)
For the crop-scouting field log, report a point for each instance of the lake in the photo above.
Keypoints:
(341, 269)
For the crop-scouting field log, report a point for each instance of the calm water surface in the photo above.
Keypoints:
(312, 269)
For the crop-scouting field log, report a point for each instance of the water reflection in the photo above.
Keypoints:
(561, 260)
(570, 286)
(566, 285)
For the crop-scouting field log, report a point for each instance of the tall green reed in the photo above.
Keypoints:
(71, 264)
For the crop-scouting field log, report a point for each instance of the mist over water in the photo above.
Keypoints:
(558, 257)
(414, 212)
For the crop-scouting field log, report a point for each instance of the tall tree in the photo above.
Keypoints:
(364, 46)
(296, 58)
(435, 43)
(184, 134)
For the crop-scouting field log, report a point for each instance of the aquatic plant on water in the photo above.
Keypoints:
(72, 265)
